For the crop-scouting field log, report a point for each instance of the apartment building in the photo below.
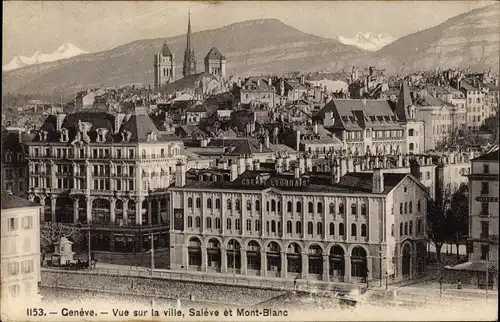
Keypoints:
(99, 170)
(20, 254)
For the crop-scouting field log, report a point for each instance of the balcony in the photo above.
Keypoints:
(484, 214)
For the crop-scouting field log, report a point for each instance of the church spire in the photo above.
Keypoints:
(188, 40)
(189, 66)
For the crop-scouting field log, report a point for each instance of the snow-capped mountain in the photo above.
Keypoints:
(64, 51)
(368, 41)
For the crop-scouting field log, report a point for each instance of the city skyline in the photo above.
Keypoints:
(80, 23)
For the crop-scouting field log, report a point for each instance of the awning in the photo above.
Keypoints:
(477, 266)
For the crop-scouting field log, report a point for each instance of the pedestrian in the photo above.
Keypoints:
(295, 284)
(459, 284)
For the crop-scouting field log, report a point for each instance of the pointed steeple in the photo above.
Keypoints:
(404, 103)
(188, 36)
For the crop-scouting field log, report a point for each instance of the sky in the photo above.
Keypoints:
(99, 25)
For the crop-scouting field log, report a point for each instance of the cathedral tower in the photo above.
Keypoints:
(215, 63)
(164, 65)
(189, 67)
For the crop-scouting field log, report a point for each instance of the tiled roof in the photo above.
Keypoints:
(214, 54)
(350, 183)
(251, 84)
(476, 266)
(404, 102)
(10, 202)
(492, 156)
(165, 51)
(188, 82)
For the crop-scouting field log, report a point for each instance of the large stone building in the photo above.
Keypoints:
(414, 129)
(20, 250)
(258, 93)
(365, 126)
(483, 215)
(99, 170)
(278, 224)
(164, 67)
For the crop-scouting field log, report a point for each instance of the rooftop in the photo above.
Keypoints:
(11, 202)
(492, 156)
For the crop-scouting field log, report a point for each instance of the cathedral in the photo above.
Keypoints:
(164, 68)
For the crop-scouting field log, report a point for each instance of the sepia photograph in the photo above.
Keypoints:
(250, 161)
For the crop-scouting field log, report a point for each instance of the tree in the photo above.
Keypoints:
(437, 225)
(51, 233)
(459, 220)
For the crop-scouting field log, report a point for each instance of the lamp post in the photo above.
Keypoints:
(380, 263)
(386, 280)
(88, 244)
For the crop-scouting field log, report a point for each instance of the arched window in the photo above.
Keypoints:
(392, 230)
(190, 221)
(353, 230)
(410, 206)
(310, 228)
(363, 210)
(217, 223)
(257, 205)
(332, 208)
(406, 207)
(249, 205)
(228, 224)
(418, 205)
(401, 208)
(298, 207)
(401, 229)
(198, 203)
(319, 228)
(229, 204)
(217, 203)
(411, 132)
(310, 207)
(190, 202)
(298, 227)
(257, 225)
(237, 224)
(209, 223)
(289, 227)
(237, 205)
(320, 208)
(279, 206)
(411, 227)
(267, 226)
(273, 226)
(267, 206)
(411, 147)
(197, 221)
(209, 203)
(273, 205)
(289, 206)
(363, 230)
(354, 209)
(249, 225)
(406, 228)
(279, 227)
(341, 208)
(332, 229)
(341, 229)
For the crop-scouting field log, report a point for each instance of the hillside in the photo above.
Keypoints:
(471, 39)
(257, 46)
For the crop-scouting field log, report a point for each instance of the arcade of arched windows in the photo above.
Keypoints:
(103, 210)
(275, 258)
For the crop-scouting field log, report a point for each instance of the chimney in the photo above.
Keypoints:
(287, 163)
(363, 101)
(343, 167)
(256, 164)
(278, 164)
(415, 169)
(297, 172)
(350, 165)
(302, 80)
(225, 164)
(234, 170)
(180, 174)
(400, 161)
(258, 82)
(260, 147)
(309, 163)
(266, 140)
(270, 82)
(298, 141)
(378, 181)
(204, 142)
(315, 128)
(302, 166)
(242, 165)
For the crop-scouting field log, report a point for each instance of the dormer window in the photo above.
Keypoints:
(152, 137)
(126, 136)
(43, 135)
(64, 135)
(101, 135)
